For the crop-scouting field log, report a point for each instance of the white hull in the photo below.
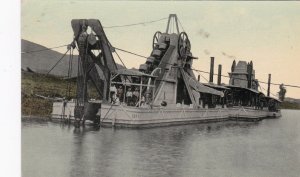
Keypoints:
(117, 115)
(144, 117)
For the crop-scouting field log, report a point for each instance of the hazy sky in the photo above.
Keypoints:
(268, 33)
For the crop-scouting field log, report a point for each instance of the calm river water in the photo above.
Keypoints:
(266, 148)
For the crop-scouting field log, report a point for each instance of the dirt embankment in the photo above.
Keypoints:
(39, 90)
(36, 88)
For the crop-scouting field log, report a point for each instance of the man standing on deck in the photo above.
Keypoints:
(120, 93)
(135, 96)
(113, 92)
(129, 97)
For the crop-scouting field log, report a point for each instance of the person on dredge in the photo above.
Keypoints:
(113, 91)
(135, 96)
(120, 93)
(148, 98)
(129, 97)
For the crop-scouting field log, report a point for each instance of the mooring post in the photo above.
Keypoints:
(219, 74)
(269, 83)
(211, 73)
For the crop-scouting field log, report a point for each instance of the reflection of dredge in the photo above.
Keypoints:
(164, 90)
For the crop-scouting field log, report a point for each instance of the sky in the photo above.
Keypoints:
(265, 32)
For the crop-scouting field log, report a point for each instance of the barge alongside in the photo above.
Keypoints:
(164, 90)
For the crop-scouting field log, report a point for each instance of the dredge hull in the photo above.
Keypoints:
(123, 116)
(138, 117)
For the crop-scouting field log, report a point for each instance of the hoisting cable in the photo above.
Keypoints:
(262, 88)
(287, 85)
(180, 25)
(114, 49)
(130, 52)
(45, 49)
(120, 59)
(58, 62)
(202, 75)
(138, 55)
(134, 24)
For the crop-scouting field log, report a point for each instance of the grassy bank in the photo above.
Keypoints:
(289, 105)
(33, 84)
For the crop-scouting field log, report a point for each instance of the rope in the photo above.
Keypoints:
(263, 82)
(44, 49)
(261, 87)
(57, 62)
(287, 85)
(134, 24)
(202, 76)
(130, 52)
(120, 59)
(181, 25)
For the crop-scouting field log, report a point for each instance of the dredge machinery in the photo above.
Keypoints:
(164, 90)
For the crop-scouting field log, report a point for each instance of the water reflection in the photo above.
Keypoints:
(214, 149)
(159, 151)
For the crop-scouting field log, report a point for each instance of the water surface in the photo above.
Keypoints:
(266, 148)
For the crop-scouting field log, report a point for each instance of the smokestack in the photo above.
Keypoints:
(250, 72)
(219, 74)
(269, 83)
(211, 74)
(198, 78)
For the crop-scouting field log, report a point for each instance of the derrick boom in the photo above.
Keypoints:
(95, 61)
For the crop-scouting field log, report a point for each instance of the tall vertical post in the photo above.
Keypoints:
(198, 78)
(219, 74)
(269, 83)
(250, 72)
(211, 74)
(175, 21)
(141, 88)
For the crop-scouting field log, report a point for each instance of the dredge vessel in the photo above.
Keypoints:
(164, 90)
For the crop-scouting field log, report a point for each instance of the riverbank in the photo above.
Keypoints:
(290, 105)
(40, 90)
(37, 89)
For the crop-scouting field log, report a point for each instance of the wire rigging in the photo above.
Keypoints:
(287, 85)
(261, 87)
(126, 51)
(202, 76)
(135, 24)
(33, 51)
(120, 59)
(58, 62)
(181, 25)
